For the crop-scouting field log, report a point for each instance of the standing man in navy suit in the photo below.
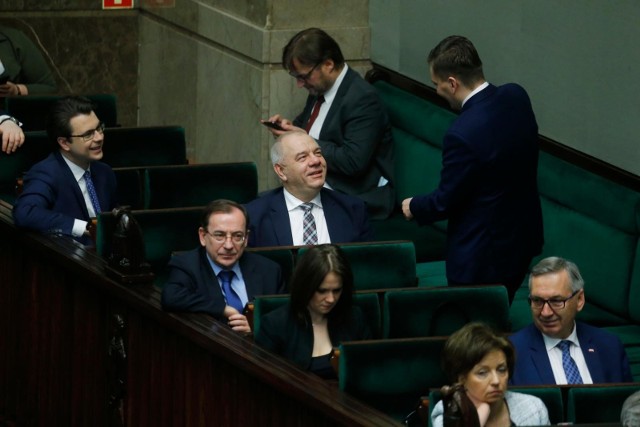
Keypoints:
(346, 117)
(488, 183)
(64, 191)
(278, 216)
(556, 295)
(219, 278)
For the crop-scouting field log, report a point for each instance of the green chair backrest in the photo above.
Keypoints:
(32, 110)
(391, 375)
(130, 187)
(145, 146)
(263, 305)
(440, 311)
(597, 403)
(283, 256)
(197, 185)
(380, 265)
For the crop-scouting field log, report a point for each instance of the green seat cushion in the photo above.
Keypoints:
(594, 404)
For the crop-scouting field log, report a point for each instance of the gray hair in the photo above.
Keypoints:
(630, 414)
(554, 265)
(277, 149)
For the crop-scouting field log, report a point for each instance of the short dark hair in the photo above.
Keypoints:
(58, 121)
(456, 56)
(311, 270)
(466, 347)
(311, 47)
(222, 206)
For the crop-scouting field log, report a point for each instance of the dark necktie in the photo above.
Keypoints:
(309, 233)
(314, 113)
(568, 364)
(92, 192)
(233, 300)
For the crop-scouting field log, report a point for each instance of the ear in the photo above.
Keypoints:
(329, 64)
(201, 234)
(581, 300)
(63, 143)
(279, 170)
(453, 84)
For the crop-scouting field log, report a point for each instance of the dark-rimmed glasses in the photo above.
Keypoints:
(304, 77)
(221, 237)
(90, 134)
(554, 303)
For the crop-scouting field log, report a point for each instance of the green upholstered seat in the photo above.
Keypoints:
(130, 187)
(440, 311)
(144, 146)
(164, 231)
(197, 185)
(13, 166)
(431, 273)
(282, 255)
(597, 403)
(32, 110)
(390, 375)
(263, 305)
(380, 265)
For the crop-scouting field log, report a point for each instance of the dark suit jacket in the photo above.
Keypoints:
(603, 352)
(192, 285)
(357, 143)
(488, 189)
(269, 225)
(282, 334)
(51, 198)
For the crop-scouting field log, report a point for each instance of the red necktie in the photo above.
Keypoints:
(314, 113)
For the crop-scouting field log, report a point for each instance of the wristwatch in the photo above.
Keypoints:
(11, 119)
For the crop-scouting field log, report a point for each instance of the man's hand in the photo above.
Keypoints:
(12, 136)
(406, 208)
(285, 124)
(237, 321)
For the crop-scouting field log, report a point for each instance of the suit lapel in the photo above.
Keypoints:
(251, 277)
(280, 220)
(539, 357)
(591, 356)
(337, 101)
(73, 184)
(332, 215)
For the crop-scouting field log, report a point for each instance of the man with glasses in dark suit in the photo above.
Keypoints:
(556, 349)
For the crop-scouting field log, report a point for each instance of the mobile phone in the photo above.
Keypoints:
(272, 125)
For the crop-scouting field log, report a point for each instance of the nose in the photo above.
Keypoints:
(330, 297)
(228, 244)
(495, 378)
(546, 310)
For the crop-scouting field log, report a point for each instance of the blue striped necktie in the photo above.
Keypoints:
(92, 192)
(568, 364)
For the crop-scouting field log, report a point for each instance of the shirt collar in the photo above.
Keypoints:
(476, 90)
(293, 202)
(331, 93)
(217, 269)
(76, 170)
(550, 342)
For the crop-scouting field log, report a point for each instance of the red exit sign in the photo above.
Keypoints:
(117, 4)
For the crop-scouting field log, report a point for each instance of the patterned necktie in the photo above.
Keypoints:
(92, 192)
(314, 113)
(233, 299)
(309, 233)
(568, 364)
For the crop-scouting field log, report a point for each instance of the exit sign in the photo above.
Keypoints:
(117, 4)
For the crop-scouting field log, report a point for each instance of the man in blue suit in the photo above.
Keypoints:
(488, 189)
(197, 278)
(550, 350)
(278, 217)
(345, 115)
(12, 135)
(64, 191)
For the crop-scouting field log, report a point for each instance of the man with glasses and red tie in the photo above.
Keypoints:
(556, 349)
(64, 191)
(345, 116)
(219, 278)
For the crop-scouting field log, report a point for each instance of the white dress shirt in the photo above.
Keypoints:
(296, 216)
(555, 357)
(79, 226)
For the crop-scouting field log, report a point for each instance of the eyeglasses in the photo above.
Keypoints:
(90, 134)
(554, 303)
(221, 237)
(304, 77)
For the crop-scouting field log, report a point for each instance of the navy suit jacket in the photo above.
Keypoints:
(603, 352)
(193, 286)
(488, 189)
(269, 224)
(357, 143)
(51, 198)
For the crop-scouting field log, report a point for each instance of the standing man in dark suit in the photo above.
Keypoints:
(555, 346)
(219, 278)
(302, 211)
(345, 115)
(12, 135)
(488, 183)
(64, 191)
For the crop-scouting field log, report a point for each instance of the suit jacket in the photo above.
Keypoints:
(488, 189)
(51, 198)
(269, 225)
(282, 334)
(357, 143)
(603, 352)
(193, 286)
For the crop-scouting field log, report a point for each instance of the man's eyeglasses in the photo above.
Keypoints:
(90, 134)
(554, 303)
(221, 237)
(304, 77)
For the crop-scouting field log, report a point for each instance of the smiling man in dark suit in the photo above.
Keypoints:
(488, 183)
(346, 117)
(64, 191)
(284, 216)
(219, 278)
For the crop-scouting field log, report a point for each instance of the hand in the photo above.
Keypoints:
(10, 89)
(238, 322)
(406, 209)
(12, 136)
(285, 124)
